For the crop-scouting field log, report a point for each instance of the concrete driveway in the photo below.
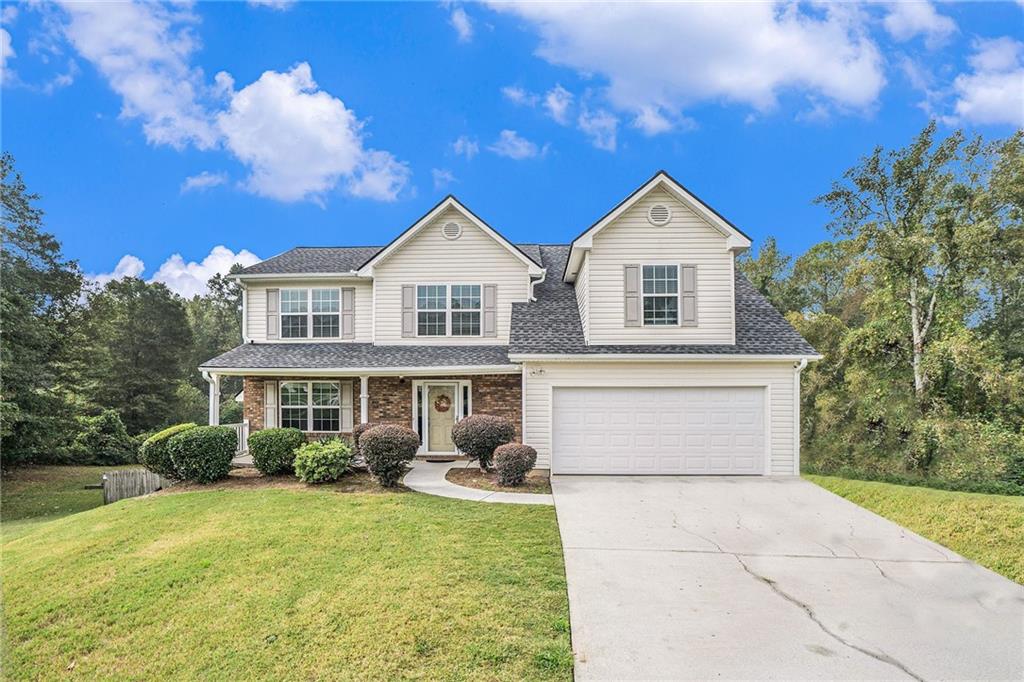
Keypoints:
(757, 578)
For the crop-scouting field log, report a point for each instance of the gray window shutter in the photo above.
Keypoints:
(273, 297)
(408, 310)
(632, 296)
(490, 304)
(348, 313)
(270, 404)
(346, 406)
(688, 295)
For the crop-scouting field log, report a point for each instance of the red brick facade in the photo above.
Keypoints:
(391, 397)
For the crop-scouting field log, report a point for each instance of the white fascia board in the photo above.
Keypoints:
(657, 357)
(357, 371)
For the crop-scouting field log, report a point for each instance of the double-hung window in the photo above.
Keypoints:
(310, 313)
(443, 310)
(311, 405)
(661, 295)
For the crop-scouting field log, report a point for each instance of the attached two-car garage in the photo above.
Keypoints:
(658, 430)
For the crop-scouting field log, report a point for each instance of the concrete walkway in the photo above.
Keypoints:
(770, 578)
(429, 477)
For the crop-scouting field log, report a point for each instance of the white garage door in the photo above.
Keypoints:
(658, 431)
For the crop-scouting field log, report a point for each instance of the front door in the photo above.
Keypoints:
(441, 409)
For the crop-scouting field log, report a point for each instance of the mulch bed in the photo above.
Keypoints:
(536, 481)
(249, 478)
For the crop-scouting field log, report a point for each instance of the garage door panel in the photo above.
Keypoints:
(681, 430)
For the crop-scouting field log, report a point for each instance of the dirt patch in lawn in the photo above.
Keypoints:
(251, 478)
(536, 481)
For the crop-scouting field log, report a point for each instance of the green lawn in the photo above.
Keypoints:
(279, 583)
(988, 529)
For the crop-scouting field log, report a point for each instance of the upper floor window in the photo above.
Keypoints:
(661, 295)
(310, 313)
(443, 310)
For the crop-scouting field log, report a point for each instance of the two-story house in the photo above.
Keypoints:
(636, 349)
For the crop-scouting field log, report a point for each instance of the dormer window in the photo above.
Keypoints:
(661, 295)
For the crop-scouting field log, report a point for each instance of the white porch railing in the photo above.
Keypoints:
(242, 434)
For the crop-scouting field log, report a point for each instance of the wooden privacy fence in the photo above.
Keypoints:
(118, 485)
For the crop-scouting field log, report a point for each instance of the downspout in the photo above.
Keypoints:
(535, 282)
(796, 415)
(245, 314)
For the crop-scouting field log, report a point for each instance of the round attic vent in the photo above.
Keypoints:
(451, 230)
(659, 214)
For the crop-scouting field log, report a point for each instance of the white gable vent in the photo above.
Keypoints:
(451, 230)
(659, 214)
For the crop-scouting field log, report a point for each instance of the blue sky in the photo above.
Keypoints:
(161, 131)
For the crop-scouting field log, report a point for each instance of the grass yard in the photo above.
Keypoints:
(279, 583)
(988, 529)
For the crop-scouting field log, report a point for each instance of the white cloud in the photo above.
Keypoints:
(279, 5)
(465, 146)
(189, 279)
(143, 50)
(462, 24)
(557, 101)
(600, 126)
(910, 18)
(994, 92)
(668, 56)
(650, 121)
(128, 266)
(520, 96)
(442, 177)
(8, 14)
(510, 144)
(203, 181)
(299, 141)
(6, 51)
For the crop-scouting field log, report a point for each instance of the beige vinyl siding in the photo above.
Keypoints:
(777, 376)
(429, 258)
(256, 301)
(583, 295)
(686, 239)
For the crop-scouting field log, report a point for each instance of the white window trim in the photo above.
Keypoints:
(281, 407)
(679, 296)
(465, 387)
(447, 310)
(309, 314)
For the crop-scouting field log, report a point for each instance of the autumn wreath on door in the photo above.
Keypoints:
(442, 403)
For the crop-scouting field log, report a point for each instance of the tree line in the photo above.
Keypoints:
(917, 304)
(88, 370)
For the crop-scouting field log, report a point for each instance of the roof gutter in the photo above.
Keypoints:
(296, 275)
(659, 357)
(358, 371)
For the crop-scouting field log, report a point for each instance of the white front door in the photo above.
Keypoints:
(659, 431)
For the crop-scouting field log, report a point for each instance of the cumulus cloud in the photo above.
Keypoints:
(650, 121)
(462, 24)
(128, 266)
(993, 92)
(186, 279)
(668, 56)
(299, 141)
(510, 144)
(6, 51)
(203, 181)
(600, 126)
(279, 5)
(466, 146)
(908, 19)
(557, 102)
(442, 177)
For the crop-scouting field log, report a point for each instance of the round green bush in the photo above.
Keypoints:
(273, 450)
(512, 461)
(323, 461)
(479, 434)
(203, 454)
(357, 432)
(154, 453)
(387, 449)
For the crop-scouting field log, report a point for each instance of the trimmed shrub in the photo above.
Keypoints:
(102, 440)
(323, 461)
(479, 434)
(357, 431)
(203, 454)
(154, 453)
(273, 450)
(387, 448)
(512, 461)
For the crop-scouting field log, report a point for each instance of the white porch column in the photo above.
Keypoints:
(214, 381)
(364, 399)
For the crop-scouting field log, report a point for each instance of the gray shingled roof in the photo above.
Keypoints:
(341, 355)
(551, 324)
(338, 259)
